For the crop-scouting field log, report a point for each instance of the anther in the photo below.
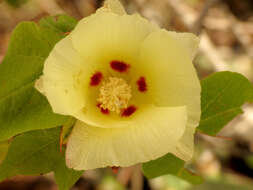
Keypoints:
(114, 94)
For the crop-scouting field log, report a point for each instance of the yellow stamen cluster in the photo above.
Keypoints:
(114, 94)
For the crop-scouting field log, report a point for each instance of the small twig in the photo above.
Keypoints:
(137, 179)
(217, 136)
(188, 16)
(197, 26)
(245, 40)
(124, 175)
(209, 49)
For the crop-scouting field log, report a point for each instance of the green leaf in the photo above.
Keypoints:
(38, 152)
(190, 177)
(169, 164)
(16, 3)
(66, 130)
(62, 23)
(4, 145)
(22, 108)
(65, 177)
(110, 182)
(171, 182)
(249, 161)
(223, 94)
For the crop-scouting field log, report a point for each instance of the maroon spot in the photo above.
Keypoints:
(96, 79)
(119, 66)
(142, 85)
(128, 111)
(104, 111)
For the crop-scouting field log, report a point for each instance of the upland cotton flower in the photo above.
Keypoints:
(131, 86)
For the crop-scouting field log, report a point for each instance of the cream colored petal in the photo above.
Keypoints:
(150, 136)
(60, 81)
(174, 81)
(106, 36)
(39, 85)
(185, 147)
(114, 6)
(188, 41)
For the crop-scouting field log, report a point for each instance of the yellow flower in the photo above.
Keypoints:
(131, 86)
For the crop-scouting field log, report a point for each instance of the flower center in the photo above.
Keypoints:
(114, 94)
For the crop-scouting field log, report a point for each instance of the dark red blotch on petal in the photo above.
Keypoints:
(128, 111)
(96, 79)
(142, 85)
(104, 111)
(119, 66)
